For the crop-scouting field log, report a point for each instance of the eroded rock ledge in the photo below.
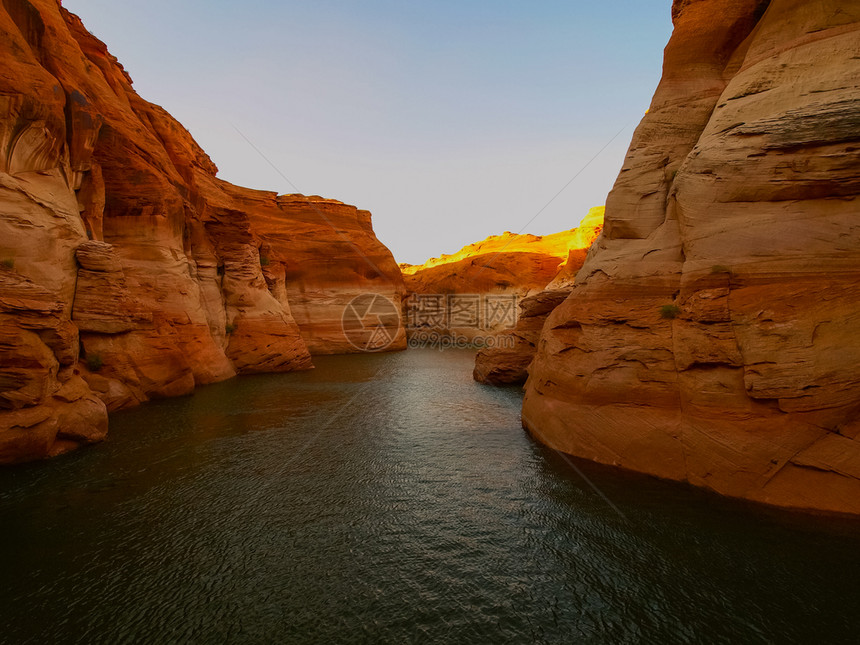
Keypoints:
(712, 334)
(128, 271)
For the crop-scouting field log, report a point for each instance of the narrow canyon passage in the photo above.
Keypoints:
(389, 498)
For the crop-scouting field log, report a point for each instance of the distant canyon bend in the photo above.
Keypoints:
(704, 327)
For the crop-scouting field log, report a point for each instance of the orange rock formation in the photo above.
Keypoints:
(712, 334)
(508, 264)
(128, 271)
(506, 363)
(507, 260)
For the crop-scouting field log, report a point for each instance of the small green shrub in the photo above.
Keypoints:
(719, 268)
(230, 328)
(669, 311)
(264, 261)
(8, 263)
(94, 362)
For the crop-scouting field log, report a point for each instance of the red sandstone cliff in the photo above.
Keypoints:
(712, 334)
(506, 362)
(323, 270)
(510, 264)
(128, 271)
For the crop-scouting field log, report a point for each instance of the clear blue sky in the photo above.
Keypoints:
(450, 119)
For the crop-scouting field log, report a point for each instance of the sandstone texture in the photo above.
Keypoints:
(128, 271)
(506, 361)
(510, 265)
(713, 334)
(331, 256)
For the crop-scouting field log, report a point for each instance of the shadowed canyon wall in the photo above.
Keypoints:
(713, 334)
(128, 271)
(506, 363)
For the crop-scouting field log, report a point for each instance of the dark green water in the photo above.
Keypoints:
(389, 499)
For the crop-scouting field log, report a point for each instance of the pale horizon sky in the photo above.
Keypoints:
(449, 121)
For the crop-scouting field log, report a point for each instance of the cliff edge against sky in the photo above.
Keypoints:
(509, 265)
(712, 334)
(128, 271)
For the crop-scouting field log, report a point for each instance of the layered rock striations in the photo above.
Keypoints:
(712, 335)
(128, 271)
(506, 361)
(510, 264)
(329, 255)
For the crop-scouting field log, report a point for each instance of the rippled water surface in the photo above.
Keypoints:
(389, 499)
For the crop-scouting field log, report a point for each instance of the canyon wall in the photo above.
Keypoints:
(502, 268)
(713, 334)
(506, 361)
(128, 271)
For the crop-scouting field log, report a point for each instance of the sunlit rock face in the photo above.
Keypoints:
(506, 361)
(712, 334)
(508, 265)
(128, 271)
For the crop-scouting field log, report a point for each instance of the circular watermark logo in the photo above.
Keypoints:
(370, 322)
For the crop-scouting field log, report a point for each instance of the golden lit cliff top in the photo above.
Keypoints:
(557, 244)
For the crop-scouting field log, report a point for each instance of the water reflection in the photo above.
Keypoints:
(390, 499)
